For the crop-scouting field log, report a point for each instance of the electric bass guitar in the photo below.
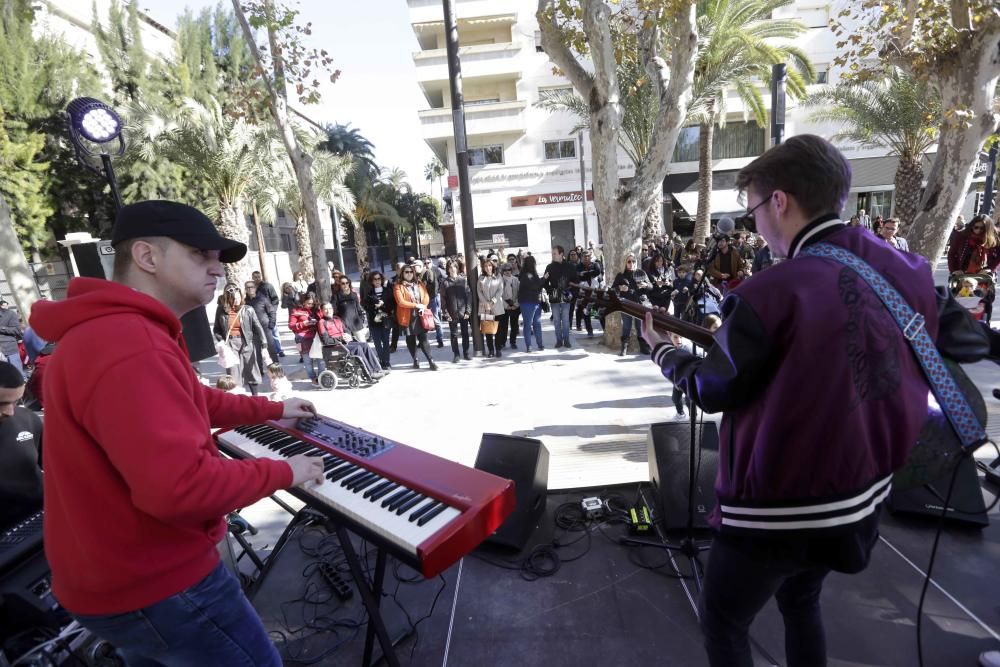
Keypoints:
(938, 449)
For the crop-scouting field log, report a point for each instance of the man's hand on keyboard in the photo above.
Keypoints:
(306, 468)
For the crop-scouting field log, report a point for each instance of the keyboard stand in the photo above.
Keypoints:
(371, 596)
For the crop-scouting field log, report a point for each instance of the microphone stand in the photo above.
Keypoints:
(688, 546)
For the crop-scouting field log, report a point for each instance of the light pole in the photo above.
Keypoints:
(778, 74)
(583, 193)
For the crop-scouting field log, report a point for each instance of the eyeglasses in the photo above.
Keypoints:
(749, 213)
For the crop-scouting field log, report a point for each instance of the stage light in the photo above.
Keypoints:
(94, 120)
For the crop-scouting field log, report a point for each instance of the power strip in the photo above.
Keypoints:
(336, 580)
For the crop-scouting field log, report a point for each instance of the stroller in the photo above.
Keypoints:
(975, 292)
(342, 366)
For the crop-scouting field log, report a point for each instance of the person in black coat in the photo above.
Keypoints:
(632, 284)
(347, 305)
(457, 308)
(380, 308)
(265, 310)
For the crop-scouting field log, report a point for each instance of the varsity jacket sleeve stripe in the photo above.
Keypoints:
(733, 370)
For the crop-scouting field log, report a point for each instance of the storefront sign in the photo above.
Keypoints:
(550, 198)
(452, 181)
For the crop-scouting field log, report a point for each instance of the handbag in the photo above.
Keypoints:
(942, 443)
(427, 319)
(227, 355)
(316, 349)
(488, 327)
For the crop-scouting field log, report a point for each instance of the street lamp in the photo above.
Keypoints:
(93, 127)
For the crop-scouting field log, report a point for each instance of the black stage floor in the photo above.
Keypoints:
(603, 608)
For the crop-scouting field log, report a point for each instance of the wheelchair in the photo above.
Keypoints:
(979, 302)
(342, 367)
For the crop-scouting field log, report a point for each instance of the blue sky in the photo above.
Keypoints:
(372, 44)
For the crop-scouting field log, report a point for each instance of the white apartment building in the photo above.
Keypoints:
(524, 161)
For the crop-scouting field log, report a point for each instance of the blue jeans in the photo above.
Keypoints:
(435, 306)
(276, 342)
(561, 318)
(532, 313)
(211, 623)
(15, 361)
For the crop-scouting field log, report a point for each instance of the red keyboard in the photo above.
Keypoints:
(426, 510)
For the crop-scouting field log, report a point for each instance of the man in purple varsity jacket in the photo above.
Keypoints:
(821, 397)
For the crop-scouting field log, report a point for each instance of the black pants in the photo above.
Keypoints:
(742, 575)
(411, 344)
(678, 398)
(454, 326)
(508, 324)
(491, 345)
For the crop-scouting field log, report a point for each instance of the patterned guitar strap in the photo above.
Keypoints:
(952, 401)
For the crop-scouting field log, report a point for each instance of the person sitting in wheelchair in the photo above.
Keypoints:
(331, 332)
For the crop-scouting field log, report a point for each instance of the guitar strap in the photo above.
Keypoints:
(953, 403)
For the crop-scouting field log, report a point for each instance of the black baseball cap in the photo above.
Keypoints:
(180, 222)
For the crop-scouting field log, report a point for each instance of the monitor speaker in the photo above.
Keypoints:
(526, 461)
(966, 505)
(668, 445)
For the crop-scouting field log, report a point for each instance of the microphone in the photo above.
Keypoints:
(726, 225)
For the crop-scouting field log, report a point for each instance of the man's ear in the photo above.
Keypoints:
(146, 255)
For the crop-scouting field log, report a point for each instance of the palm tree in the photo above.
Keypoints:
(229, 155)
(435, 170)
(373, 207)
(390, 187)
(894, 111)
(347, 140)
(282, 192)
(736, 51)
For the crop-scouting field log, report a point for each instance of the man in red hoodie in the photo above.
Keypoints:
(135, 489)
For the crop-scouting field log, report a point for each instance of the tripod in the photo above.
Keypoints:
(688, 546)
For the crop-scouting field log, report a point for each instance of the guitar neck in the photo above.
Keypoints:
(689, 330)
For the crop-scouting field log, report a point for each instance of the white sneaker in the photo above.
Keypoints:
(680, 416)
(989, 659)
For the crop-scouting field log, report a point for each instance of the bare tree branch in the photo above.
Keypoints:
(649, 39)
(906, 33)
(557, 50)
(597, 25)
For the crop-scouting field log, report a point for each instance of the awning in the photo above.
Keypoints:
(498, 19)
(723, 202)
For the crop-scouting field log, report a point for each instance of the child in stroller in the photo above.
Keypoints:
(975, 292)
(351, 362)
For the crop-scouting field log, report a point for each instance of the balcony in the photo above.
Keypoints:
(477, 61)
(430, 11)
(494, 118)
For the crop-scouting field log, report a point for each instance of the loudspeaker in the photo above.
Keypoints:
(198, 337)
(526, 461)
(966, 505)
(668, 444)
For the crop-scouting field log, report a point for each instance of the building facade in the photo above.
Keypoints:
(525, 161)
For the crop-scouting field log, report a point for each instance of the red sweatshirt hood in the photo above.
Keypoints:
(93, 298)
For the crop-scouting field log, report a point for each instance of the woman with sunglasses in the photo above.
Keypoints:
(237, 326)
(976, 248)
(632, 284)
(411, 300)
(347, 304)
(379, 307)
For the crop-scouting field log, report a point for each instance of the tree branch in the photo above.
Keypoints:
(649, 38)
(252, 44)
(960, 15)
(597, 26)
(557, 50)
(675, 82)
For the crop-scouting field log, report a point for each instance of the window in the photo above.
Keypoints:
(822, 74)
(487, 100)
(538, 42)
(486, 155)
(560, 150)
(515, 236)
(732, 141)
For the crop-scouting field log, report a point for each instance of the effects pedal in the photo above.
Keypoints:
(336, 581)
(639, 521)
(593, 507)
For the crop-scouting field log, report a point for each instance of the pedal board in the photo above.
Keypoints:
(338, 583)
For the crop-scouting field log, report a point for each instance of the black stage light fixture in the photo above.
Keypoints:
(93, 126)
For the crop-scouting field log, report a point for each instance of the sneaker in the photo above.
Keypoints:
(440, 343)
(989, 659)
(680, 416)
(433, 366)
(541, 349)
(456, 359)
(499, 354)
(416, 364)
(566, 344)
(527, 349)
(578, 328)
(489, 355)
(467, 357)
(513, 344)
(558, 344)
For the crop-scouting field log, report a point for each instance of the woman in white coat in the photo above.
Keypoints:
(491, 305)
